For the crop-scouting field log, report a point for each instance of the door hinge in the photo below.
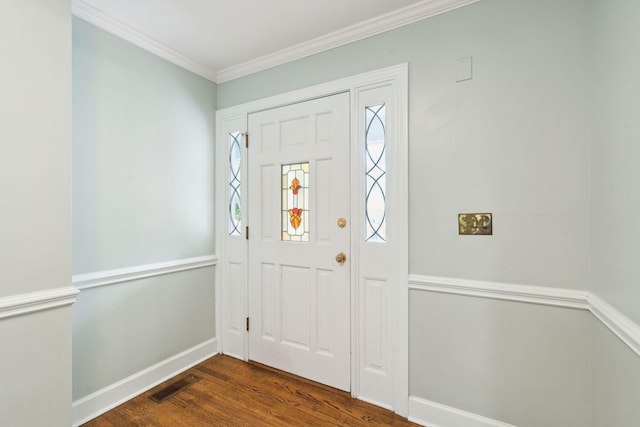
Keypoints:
(247, 321)
(246, 139)
(246, 232)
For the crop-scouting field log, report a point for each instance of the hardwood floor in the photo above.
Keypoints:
(231, 392)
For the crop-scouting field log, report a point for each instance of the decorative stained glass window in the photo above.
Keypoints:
(235, 184)
(376, 168)
(295, 202)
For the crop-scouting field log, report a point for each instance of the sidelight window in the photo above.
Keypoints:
(235, 184)
(376, 169)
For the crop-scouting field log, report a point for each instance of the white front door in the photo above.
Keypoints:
(299, 293)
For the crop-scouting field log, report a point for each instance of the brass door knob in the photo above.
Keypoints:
(341, 257)
(342, 223)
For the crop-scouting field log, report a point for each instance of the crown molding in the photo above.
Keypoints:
(362, 30)
(118, 28)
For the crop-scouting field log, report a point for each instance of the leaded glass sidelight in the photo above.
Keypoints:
(235, 184)
(295, 202)
(376, 169)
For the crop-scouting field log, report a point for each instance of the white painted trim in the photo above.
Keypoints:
(311, 92)
(398, 74)
(118, 28)
(626, 329)
(398, 18)
(427, 413)
(32, 302)
(400, 352)
(101, 401)
(233, 248)
(567, 298)
(127, 274)
(408, 15)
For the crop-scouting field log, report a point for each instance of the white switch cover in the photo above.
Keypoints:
(464, 69)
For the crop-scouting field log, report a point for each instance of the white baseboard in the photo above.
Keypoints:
(101, 401)
(431, 414)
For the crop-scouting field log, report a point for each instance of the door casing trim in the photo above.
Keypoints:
(399, 312)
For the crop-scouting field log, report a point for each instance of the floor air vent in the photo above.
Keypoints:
(172, 389)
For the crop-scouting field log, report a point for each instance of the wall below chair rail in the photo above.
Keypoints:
(134, 333)
(36, 373)
(488, 338)
(615, 380)
(124, 328)
(518, 363)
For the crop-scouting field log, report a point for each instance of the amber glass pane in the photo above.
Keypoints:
(295, 202)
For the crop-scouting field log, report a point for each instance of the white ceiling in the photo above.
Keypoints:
(225, 39)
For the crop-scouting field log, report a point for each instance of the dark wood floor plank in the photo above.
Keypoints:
(233, 393)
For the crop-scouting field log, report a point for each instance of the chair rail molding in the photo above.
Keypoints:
(623, 327)
(559, 297)
(16, 305)
(127, 274)
(626, 329)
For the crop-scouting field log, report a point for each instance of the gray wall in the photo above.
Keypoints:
(143, 187)
(513, 141)
(123, 329)
(549, 77)
(615, 171)
(523, 364)
(615, 380)
(142, 156)
(35, 209)
(35, 165)
(615, 199)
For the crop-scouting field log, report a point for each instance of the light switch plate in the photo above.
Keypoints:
(464, 69)
(475, 224)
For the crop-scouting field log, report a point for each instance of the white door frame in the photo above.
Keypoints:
(367, 379)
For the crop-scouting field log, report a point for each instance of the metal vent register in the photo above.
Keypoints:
(171, 389)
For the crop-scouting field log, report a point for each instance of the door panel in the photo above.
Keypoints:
(299, 295)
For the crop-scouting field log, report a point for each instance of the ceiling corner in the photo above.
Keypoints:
(120, 29)
(401, 17)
